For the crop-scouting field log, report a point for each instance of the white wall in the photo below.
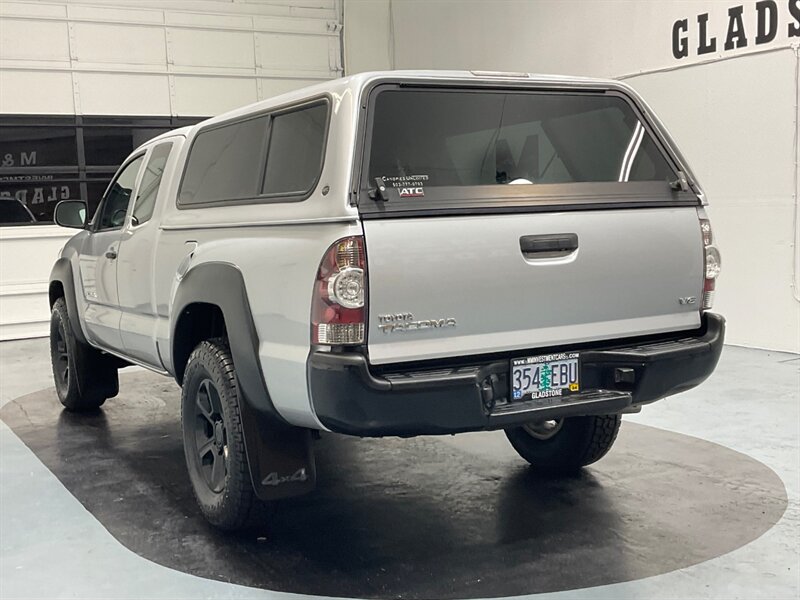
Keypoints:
(370, 46)
(733, 112)
(142, 57)
(26, 256)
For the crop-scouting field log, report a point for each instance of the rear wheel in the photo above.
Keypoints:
(213, 441)
(84, 376)
(564, 446)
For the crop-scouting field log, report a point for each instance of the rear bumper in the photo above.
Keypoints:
(350, 396)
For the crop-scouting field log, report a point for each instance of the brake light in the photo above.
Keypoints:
(338, 307)
(712, 263)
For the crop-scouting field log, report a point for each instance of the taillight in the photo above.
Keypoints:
(338, 308)
(712, 263)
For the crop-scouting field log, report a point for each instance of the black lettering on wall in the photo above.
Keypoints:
(767, 21)
(706, 46)
(680, 43)
(764, 26)
(794, 10)
(736, 36)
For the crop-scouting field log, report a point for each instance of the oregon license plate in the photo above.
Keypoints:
(545, 376)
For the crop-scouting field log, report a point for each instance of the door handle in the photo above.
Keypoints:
(111, 254)
(550, 244)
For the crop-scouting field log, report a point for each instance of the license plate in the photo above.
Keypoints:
(545, 376)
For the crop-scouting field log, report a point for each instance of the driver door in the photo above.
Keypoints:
(98, 261)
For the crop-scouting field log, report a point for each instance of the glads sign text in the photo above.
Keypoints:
(738, 33)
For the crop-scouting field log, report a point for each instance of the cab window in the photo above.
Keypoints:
(150, 184)
(117, 198)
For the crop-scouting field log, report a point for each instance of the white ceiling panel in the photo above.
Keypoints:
(123, 94)
(119, 44)
(33, 40)
(209, 48)
(290, 51)
(208, 96)
(28, 9)
(125, 12)
(209, 20)
(36, 92)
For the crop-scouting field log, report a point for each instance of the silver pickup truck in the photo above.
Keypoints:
(394, 254)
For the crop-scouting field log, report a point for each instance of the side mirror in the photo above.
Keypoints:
(71, 213)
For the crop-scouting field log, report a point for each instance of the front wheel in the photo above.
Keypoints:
(213, 440)
(84, 376)
(563, 446)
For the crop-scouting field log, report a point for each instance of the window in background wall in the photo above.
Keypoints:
(38, 167)
(45, 159)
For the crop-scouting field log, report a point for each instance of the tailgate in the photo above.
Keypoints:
(462, 285)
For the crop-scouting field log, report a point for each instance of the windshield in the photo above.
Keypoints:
(429, 138)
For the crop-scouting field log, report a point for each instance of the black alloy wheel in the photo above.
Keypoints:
(210, 436)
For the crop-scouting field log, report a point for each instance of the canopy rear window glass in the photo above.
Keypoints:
(430, 138)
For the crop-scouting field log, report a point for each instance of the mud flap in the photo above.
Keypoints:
(281, 457)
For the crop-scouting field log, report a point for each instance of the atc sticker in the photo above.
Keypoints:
(412, 192)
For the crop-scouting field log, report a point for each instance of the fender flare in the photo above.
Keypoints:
(281, 456)
(62, 273)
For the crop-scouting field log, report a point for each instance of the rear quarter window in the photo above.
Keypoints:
(273, 157)
(225, 163)
(296, 145)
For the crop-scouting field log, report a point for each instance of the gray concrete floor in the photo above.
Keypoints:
(50, 546)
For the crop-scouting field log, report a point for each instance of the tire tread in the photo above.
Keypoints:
(604, 430)
(233, 510)
(580, 442)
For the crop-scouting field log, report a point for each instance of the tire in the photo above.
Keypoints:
(213, 441)
(577, 442)
(84, 376)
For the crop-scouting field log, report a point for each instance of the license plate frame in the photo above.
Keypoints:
(532, 377)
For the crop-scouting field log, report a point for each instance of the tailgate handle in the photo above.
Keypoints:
(552, 244)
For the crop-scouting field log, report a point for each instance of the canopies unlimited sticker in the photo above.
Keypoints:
(406, 180)
(410, 186)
